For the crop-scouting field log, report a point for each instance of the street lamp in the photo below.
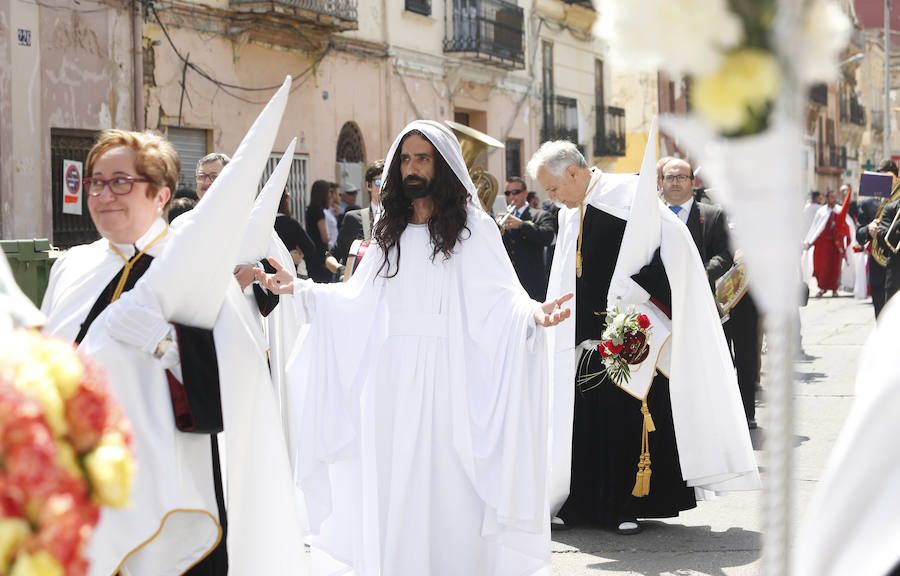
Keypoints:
(853, 59)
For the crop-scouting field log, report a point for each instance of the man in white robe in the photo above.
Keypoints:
(425, 452)
(651, 263)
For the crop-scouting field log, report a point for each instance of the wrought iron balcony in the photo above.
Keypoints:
(339, 9)
(818, 94)
(852, 111)
(832, 156)
(610, 137)
(489, 30)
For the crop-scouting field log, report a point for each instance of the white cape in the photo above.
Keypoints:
(852, 524)
(714, 445)
(440, 414)
(173, 515)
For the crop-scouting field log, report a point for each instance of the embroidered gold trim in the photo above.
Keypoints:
(162, 525)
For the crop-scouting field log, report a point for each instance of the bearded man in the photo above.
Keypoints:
(425, 452)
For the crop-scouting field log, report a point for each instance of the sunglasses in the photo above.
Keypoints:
(513, 192)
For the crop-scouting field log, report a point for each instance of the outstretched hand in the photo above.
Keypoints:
(281, 282)
(551, 312)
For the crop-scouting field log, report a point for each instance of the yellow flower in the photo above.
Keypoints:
(67, 460)
(41, 563)
(34, 380)
(63, 365)
(12, 532)
(743, 85)
(110, 468)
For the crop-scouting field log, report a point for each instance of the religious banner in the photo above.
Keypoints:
(71, 187)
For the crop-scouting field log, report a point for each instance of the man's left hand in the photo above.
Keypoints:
(551, 312)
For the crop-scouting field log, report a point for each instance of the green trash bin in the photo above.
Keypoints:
(30, 261)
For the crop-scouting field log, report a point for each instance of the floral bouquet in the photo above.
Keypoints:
(625, 342)
(65, 450)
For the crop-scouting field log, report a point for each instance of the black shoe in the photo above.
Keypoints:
(557, 524)
(751, 424)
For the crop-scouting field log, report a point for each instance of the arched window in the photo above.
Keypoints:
(350, 145)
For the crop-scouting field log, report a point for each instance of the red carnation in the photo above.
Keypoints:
(643, 321)
(87, 414)
(614, 348)
(601, 348)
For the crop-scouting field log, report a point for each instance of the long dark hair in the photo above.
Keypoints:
(318, 193)
(447, 221)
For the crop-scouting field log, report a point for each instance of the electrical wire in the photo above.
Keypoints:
(226, 87)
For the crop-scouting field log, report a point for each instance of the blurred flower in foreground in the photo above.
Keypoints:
(64, 452)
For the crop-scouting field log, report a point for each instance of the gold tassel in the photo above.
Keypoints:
(642, 478)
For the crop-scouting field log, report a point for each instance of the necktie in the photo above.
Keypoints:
(675, 209)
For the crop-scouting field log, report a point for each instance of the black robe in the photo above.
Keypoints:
(606, 436)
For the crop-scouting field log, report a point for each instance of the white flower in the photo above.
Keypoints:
(677, 36)
(826, 31)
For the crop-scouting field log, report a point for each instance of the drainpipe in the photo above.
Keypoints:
(388, 75)
(137, 30)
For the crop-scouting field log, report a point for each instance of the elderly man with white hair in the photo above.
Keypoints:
(620, 248)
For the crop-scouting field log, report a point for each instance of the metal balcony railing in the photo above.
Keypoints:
(832, 156)
(610, 137)
(491, 30)
(340, 9)
(819, 94)
(852, 111)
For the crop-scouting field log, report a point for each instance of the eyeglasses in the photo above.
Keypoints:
(201, 177)
(120, 185)
(672, 178)
(514, 192)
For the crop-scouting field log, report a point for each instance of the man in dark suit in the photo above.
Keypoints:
(706, 223)
(526, 233)
(865, 232)
(358, 224)
(709, 228)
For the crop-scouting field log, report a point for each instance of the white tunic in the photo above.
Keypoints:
(852, 524)
(173, 519)
(426, 452)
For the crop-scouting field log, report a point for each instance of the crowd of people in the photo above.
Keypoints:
(850, 245)
(447, 404)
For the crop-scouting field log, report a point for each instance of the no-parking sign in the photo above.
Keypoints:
(71, 187)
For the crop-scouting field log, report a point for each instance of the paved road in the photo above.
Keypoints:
(723, 537)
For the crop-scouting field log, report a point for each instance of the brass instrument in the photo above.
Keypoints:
(878, 253)
(473, 143)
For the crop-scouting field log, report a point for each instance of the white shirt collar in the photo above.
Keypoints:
(155, 230)
(685, 209)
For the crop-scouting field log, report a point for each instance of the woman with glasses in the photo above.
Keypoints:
(178, 384)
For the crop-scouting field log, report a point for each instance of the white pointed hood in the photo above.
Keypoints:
(642, 232)
(262, 218)
(190, 277)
